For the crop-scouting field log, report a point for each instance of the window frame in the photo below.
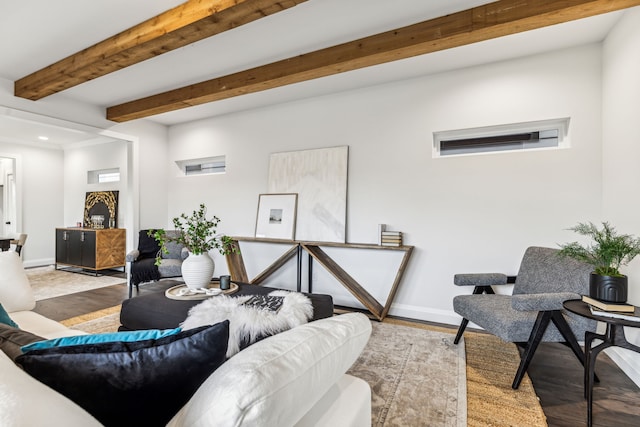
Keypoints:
(502, 133)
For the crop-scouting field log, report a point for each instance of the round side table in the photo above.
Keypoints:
(613, 336)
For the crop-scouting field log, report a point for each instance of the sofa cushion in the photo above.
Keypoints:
(170, 267)
(132, 383)
(277, 380)
(5, 319)
(42, 326)
(151, 334)
(174, 251)
(148, 247)
(12, 339)
(25, 401)
(347, 403)
(15, 290)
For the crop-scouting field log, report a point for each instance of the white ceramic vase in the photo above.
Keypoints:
(197, 270)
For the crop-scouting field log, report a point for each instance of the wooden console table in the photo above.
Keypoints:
(238, 271)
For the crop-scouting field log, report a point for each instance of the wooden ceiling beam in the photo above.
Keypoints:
(481, 23)
(188, 23)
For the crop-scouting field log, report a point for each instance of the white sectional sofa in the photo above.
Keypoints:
(295, 378)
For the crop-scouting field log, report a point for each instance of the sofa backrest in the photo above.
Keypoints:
(174, 249)
(276, 381)
(15, 290)
(149, 247)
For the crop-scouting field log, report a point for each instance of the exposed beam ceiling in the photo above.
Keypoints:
(185, 24)
(473, 25)
(235, 60)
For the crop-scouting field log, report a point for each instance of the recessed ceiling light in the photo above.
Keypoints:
(43, 138)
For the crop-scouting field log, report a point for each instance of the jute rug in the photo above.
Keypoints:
(101, 321)
(47, 282)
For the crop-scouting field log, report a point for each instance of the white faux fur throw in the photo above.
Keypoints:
(249, 323)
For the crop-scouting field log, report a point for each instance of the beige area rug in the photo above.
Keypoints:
(417, 377)
(47, 282)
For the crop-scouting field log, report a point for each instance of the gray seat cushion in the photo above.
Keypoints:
(544, 280)
(495, 314)
(170, 267)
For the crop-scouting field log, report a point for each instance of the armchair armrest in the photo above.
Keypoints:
(132, 256)
(480, 279)
(541, 302)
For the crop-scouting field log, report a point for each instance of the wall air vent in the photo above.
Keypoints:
(512, 137)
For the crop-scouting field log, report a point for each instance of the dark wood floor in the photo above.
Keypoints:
(555, 372)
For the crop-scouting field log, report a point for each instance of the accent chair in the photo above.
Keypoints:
(534, 312)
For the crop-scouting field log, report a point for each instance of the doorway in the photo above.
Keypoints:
(9, 207)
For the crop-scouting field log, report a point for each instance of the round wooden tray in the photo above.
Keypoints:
(176, 292)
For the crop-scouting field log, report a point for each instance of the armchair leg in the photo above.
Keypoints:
(131, 289)
(461, 329)
(568, 335)
(570, 338)
(539, 328)
(463, 325)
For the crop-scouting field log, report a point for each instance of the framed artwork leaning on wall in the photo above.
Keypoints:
(276, 217)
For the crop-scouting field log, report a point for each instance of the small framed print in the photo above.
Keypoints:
(276, 217)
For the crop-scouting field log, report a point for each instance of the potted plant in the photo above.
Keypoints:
(197, 234)
(607, 253)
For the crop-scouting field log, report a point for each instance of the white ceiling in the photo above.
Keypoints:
(36, 33)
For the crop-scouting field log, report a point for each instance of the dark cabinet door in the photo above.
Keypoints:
(89, 249)
(74, 251)
(61, 246)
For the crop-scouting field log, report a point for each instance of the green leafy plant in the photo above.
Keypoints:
(197, 233)
(608, 252)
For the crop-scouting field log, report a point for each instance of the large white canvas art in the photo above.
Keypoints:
(319, 177)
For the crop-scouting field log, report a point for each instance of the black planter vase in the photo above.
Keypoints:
(608, 288)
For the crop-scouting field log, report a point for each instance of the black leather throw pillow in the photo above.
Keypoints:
(132, 383)
(11, 339)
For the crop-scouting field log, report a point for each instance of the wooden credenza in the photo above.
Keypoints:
(91, 249)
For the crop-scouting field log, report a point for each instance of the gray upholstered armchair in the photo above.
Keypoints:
(545, 280)
(141, 261)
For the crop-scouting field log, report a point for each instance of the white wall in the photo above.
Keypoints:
(464, 214)
(78, 162)
(621, 153)
(149, 157)
(42, 198)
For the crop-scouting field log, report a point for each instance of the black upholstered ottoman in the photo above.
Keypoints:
(156, 311)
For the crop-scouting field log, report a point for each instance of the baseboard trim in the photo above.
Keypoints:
(627, 361)
(447, 317)
(39, 262)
